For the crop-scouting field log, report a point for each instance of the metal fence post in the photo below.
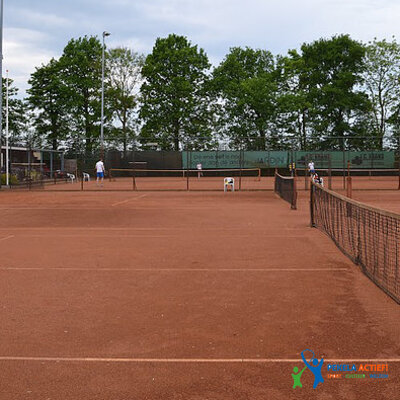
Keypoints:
(312, 196)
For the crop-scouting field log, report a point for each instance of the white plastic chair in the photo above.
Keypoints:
(229, 183)
(72, 177)
(86, 177)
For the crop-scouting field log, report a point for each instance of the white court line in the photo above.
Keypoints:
(163, 228)
(95, 236)
(193, 360)
(5, 238)
(78, 208)
(142, 236)
(126, 201)
(177, 269)
(53, 208)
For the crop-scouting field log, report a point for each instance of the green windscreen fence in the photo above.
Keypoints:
(281, 159)
(340, 159)
(235, 159)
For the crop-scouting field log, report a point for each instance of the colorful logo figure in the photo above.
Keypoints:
(313, 365)
(297, 376)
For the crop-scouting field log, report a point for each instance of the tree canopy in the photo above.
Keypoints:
(332, 93)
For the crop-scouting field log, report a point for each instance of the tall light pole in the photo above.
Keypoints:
(102, 98)
(7, 151)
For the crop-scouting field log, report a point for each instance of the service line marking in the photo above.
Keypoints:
(176, 269)
(142, 236)
(126, 201)
(91, 228)
(5, 238)
(192, 360)
(94, 236)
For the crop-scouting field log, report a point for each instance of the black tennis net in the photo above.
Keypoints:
(369, 236)
(285, 187)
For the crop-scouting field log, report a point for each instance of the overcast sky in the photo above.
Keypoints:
(36, 30)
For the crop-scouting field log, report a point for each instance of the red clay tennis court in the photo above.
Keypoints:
(182, 295)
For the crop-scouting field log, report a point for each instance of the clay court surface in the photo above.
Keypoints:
(182, 295)
(388, 200)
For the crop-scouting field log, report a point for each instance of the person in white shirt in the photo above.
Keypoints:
(199, 169)
(311, 167)
(100, 171)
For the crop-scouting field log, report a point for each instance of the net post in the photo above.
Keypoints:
(41, 176)
(240, 167)
(312, 221)
(359, 247)
(259, 174)
(188, 165)
(29, 168)
(349, 188)
(329, 172)
(305, 173)
(344, 166)
(134, 179)
(81, 180)
(294, 197)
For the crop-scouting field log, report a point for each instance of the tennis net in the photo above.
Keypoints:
(369, 236)
(183, 179)
(285, 187)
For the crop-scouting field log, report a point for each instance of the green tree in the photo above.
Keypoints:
(246, 83)
(80, 66)
(47, 98)
(381, 81)
(124, 77)
(332, 73)
(16, 112)
(175, 103)
(293, 102)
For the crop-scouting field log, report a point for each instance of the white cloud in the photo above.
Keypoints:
(23, 51)
(43, 20)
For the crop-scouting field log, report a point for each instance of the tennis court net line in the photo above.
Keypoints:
(369, 236)
(183, 173)
(285, 187)
(184, 179)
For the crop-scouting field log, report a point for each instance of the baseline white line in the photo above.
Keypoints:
(126, 201)
(8, 237)
(109, 235)
(95, 236)
(178, 269)
(162, 228)
(192, 360)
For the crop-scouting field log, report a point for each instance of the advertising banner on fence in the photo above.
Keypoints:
(339, 159)
(281, 159)
(235, 159)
